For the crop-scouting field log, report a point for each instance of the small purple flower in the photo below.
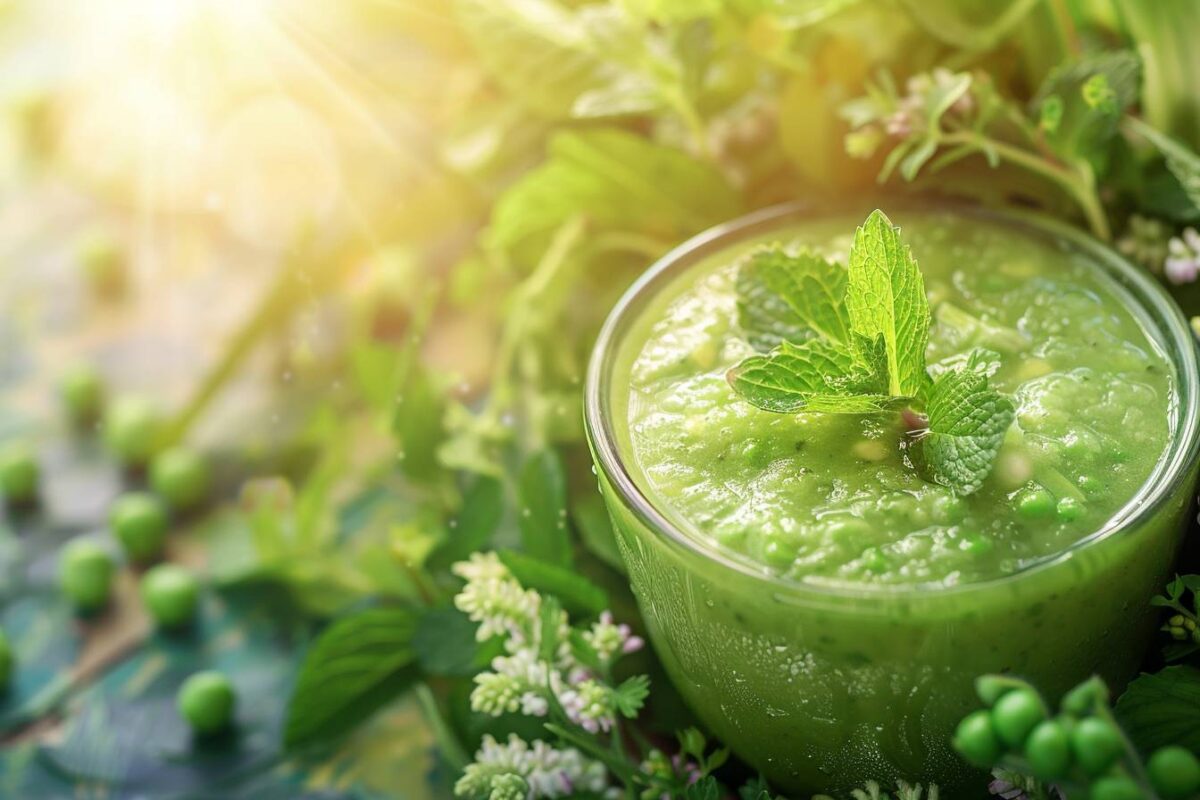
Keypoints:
(1183, 257)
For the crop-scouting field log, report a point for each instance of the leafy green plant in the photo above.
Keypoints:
(853, 341)
(1183, 625)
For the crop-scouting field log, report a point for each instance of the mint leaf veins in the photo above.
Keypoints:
(852, 340)
(967, 423)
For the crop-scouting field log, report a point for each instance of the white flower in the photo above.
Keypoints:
(495, 694)
(534, 705)
(493, 599)
(481, 567)
(1183, 257)
(545, 771)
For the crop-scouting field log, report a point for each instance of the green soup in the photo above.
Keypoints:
(830, 497)
(822, 606)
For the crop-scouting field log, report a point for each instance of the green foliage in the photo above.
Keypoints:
(577, 594)
(1090, 94)
(549, 59)
(618, 181)
(542, 494)
(885, 297)
(354, 668)
(1162, 709)
(862, 335)
(967, 423)
(1183, 625)
(1182, 161)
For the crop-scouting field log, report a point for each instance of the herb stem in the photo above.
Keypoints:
(1080, 184)
(449, 745)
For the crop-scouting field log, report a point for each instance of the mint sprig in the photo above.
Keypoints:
(852, 341)
(967, 423)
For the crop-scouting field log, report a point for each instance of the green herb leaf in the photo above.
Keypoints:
(1182, 161)
(967, 423)
(578, 594)
(358, 664)
(786, 297)
(542, 516)
(706, 788)
(444, 643)
(418, 425)
(630, 696)
(811, 376)
(1163, 709)
(886, 297)
(477, 520)
(1087, 97)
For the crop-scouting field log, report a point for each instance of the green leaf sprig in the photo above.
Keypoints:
(852, 341)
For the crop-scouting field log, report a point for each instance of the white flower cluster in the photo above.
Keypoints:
(517, 770)
(527, 678)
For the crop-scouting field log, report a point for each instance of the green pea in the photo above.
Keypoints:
(6, 662)
(1069, 509)
(1048, 750)
(207, 700)
(139, 521)
(82, 393)
(1016, 714)
(132, 429)
(1096, 744)
(1081, 700)
(1175, 773)
(976, 741)
(171, 594)
(976, 544)
(875, 560)
(1117, 787)
(1035, 503)
(180, 477)
(19, 476)
(991, 688)
(1091, 485)
(85, 572)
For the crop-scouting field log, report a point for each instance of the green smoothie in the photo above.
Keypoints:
(824, 604)
(829, 497)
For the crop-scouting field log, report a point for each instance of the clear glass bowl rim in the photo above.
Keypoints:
(1168, 477)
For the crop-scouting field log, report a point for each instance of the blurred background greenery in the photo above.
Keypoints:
(357, 252)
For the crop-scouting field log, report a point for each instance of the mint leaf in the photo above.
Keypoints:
(765, 318)
(967, 423)
(810, 376)
(885, 297)
(358, 664)
(1163, 709)
(801, 292)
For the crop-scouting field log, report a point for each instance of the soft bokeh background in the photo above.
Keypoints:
(365, 246)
